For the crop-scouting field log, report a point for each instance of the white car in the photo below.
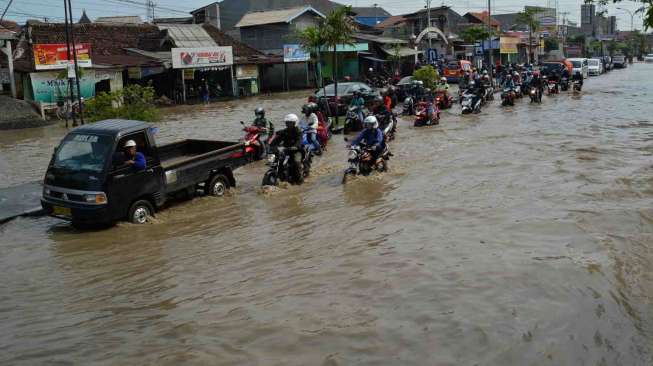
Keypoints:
(580, 65)
(649, 58)
(594, 67)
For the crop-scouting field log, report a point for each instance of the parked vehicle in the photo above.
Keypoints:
(281, 166)
(352, 120)
(595, 67)
(89, 182)
(403, 87)
(456, 70)
(426, 114)
(469, 103)
(338, 105)
(607, 63)
(648, 58)
(549, 68)
(508, 97)
(619, 62)
(581, 65)
(361, 161)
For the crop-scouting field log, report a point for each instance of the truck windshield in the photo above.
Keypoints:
(576, 64)
(83, 152)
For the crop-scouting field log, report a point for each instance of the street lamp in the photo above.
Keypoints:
(632, 15)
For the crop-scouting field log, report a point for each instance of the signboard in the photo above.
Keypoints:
(189, 74)
(188, 58)
(4, 76)
(246, 72)
(356, 47)
(134, 73)
(47, 87)
(295, 53)
(53, 56)
(508, 45)
(432, 55)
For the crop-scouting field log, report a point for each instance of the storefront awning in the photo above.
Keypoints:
(402, 51)
(374, 59)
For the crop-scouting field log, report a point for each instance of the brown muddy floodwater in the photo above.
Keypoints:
(520, 236)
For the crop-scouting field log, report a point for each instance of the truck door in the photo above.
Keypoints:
(126, 183)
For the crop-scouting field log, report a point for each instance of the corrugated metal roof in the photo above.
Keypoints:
(274, 16)
(403, 51)
(379, 39)
(188, 35)
(121, 20)
(370, 11)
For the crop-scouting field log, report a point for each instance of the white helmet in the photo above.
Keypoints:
(291, 118)
(130, 143)
(444, 79)
(371, 120)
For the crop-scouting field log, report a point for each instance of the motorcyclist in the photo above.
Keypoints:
(358, 102)
(372, 136)
(578, 77)
(537, 82)
(309, 124)
(442, 87)
(291, 139)
(263, 123)
(381, 112)
(418, 90)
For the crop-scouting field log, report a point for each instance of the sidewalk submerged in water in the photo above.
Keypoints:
(21, 200)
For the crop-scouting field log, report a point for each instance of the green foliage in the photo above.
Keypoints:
(550, 44)
(312, 39)
(63, 74)
(133, 102)
(475, 33)
(528, 17)
(338, 28)
(427, 74)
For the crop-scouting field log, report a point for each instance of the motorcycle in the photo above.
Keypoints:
(469, 103)
(254, 150)
(536, 95)
(280, 166)
(423, 117)
(361, 161)
(564, 84)
(519, 92)
(323, 130)
(388, 125)
(577, 86)
(552, 87)
(409, 106)
(489, 93)
(352, 122)
(443, 100)
(508, 97)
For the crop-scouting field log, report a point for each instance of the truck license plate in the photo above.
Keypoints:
(61, 211)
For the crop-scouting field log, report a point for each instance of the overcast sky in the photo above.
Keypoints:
(21, 10)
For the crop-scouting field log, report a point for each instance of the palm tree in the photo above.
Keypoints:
(312, 39)
(475, 34)
(338, 30)
(528, 18)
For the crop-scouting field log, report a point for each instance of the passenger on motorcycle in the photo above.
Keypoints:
(291, 139)
(372, 136)
(358, 102)
(537, 82)
(479, 91)
(381, 111)
(442, 87)
(261, 122)
(309, 124)
(578, 77)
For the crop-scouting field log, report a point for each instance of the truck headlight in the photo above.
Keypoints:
(46, 191)
(98, 198)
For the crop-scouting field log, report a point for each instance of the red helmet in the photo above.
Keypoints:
(536, 73)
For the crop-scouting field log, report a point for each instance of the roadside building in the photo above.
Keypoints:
(370, 15)
(8, 33)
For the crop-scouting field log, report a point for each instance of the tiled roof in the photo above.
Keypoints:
(370, 11)
(482, 16)
(393, 21)
(188, 35)
(130, 19)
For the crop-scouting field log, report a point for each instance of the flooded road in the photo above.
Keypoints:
(520, 236)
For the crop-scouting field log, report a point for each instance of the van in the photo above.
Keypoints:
(595, 66)
(580, 64)
(456, 69)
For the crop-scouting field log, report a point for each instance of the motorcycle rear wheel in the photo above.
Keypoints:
(270, 179)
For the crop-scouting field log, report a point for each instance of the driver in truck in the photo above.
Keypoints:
(133, 157)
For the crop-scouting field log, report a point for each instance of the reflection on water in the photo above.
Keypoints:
(515, 237)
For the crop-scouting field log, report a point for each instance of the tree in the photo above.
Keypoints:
(528, 17)
(551, 44)
(338, 29)
(312, 39)
(476, 33)
(427, 74)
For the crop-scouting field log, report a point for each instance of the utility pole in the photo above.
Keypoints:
(376, 14)
(70, 81)
(428, 14)
(489, 28)
(563, 34)
(74, 47)
(632, 16)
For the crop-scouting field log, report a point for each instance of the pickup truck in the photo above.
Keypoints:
(88, 181)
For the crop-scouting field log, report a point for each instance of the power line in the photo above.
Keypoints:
(7, 8)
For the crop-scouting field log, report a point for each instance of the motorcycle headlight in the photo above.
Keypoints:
(352, 154)
(46, 191)
(272, 158)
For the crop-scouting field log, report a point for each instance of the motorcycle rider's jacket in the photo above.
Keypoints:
(262, 122)
(536, 82)
(309, 124)
(288, 138)
(371, 137)
(578, 77)
(357, 102)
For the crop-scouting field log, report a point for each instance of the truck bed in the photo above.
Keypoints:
(189, 162)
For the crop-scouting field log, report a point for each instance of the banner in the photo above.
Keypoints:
(508, 45)
(47, 87)
(246, 72)
(53, 56)
(186, 58)
(295, 53)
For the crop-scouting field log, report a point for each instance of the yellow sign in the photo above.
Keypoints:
(247, 72)
(189, 74)
(508, 45)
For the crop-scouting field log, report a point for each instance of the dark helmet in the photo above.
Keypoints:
(378, 99)
(307, 108)
(259, 112)
(314, 107)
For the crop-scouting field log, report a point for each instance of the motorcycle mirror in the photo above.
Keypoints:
(346, 139)
(242, 123)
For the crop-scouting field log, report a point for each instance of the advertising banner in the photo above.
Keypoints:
(53, 56)
(47, 87)
(246, 72)
(188, 58)
(295, 53)
(508, 45)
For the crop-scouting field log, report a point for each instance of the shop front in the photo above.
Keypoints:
(347, 61)
(204, 73)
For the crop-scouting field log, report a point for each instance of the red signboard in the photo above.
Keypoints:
(53, 56)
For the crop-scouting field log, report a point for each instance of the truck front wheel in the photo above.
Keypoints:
(218, 185)
(140, 211)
